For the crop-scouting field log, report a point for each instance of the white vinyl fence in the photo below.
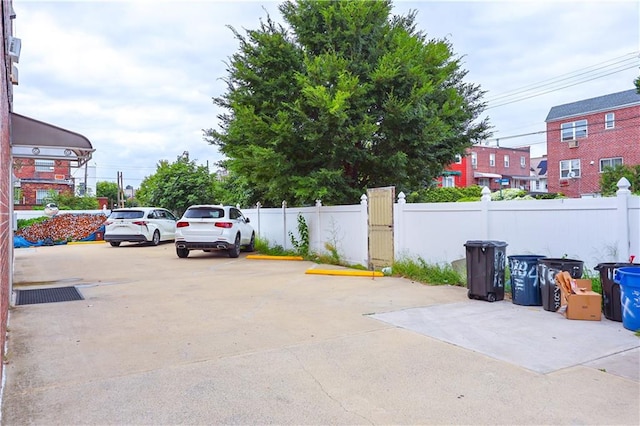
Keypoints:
(593, 230)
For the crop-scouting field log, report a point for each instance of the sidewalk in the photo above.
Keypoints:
(212, 340)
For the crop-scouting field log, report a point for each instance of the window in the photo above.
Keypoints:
(610, 162)
(44, 165)
(474, 160)
(43, 194)
(609, 120)
(523, 161)
(458, 159)
(484, 182)
(492, 160)
(506, 161)
(569, 169)
(574, 130)
(448, 182)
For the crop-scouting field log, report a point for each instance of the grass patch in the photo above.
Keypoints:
(262, 246)
(419, 270)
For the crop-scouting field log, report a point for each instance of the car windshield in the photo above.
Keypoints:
(127, 214)
(204, 213)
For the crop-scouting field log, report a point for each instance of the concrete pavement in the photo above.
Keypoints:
(213, 340)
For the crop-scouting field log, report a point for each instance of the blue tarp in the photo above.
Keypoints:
(20, 242)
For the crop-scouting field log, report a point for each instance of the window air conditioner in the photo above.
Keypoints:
(573, 143)
(15, 44)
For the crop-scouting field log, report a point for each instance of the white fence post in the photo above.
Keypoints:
(258, 205)
(485, 200)
(622, 222)
(398, 232)
(317, 239)
(284, 225)
(364, 217)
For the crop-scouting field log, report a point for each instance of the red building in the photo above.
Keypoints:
(586, 136)
(490, 166)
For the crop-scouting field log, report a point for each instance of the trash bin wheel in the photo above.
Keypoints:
(491, 297)
(469, 295)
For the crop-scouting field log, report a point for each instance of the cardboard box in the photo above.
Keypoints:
(580, 302)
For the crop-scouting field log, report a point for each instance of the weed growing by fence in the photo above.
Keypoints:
(302, 245)
(419, 270)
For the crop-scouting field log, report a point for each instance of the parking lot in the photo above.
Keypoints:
(214, 340)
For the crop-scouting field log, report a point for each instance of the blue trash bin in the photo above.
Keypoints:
(629, 280)
(523, 271)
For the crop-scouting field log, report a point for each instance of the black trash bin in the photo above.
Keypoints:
(523, 271)
(485, 269)
(611, 306)
(548, 268)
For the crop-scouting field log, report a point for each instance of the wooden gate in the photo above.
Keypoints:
(380, 226)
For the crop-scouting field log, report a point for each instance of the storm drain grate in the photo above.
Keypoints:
(47, 295)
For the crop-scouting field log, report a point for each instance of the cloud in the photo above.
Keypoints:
(138, 77)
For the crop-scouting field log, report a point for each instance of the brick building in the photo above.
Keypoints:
(6, 201)
(586, 136)
(490, 166)
(43, 155)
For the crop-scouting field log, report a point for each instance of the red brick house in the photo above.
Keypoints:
(43, 155)
(490, 166)
(586, 136)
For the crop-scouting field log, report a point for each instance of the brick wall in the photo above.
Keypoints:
(621, 141)
(6, 193)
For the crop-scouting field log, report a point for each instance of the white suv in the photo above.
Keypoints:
(214, 227)
(140, 225)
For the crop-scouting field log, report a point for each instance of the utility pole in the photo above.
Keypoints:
(120, 191)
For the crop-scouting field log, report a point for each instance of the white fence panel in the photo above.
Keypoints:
(583, 229)
(343, 228)
(436, 232)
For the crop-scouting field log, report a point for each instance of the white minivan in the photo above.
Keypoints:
(140, 225)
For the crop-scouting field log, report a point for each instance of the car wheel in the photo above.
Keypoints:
(115, 243)
(252, 244)
(234, 251)
(156, 238)
(182, 252)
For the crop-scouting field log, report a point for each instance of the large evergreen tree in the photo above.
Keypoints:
(346, 97)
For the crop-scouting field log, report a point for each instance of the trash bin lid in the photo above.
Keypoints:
(485, 243)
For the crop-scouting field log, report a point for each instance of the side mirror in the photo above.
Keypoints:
(247, 220)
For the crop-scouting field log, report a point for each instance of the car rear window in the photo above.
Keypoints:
(204, 213)
(129, 214)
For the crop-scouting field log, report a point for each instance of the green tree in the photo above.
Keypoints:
(69, 201)
(176, 186)
(349, 97)
(109, 190)
(611, 175)
(232, 189)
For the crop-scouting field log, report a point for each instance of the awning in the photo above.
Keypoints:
(486, 175)
(35, 139)
(522, 177)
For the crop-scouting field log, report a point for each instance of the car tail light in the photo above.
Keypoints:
(182, 224)
(140, 222)
(223, 225)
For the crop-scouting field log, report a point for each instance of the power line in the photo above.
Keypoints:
(567, 76)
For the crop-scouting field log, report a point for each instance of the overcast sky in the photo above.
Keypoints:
(137, 77)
